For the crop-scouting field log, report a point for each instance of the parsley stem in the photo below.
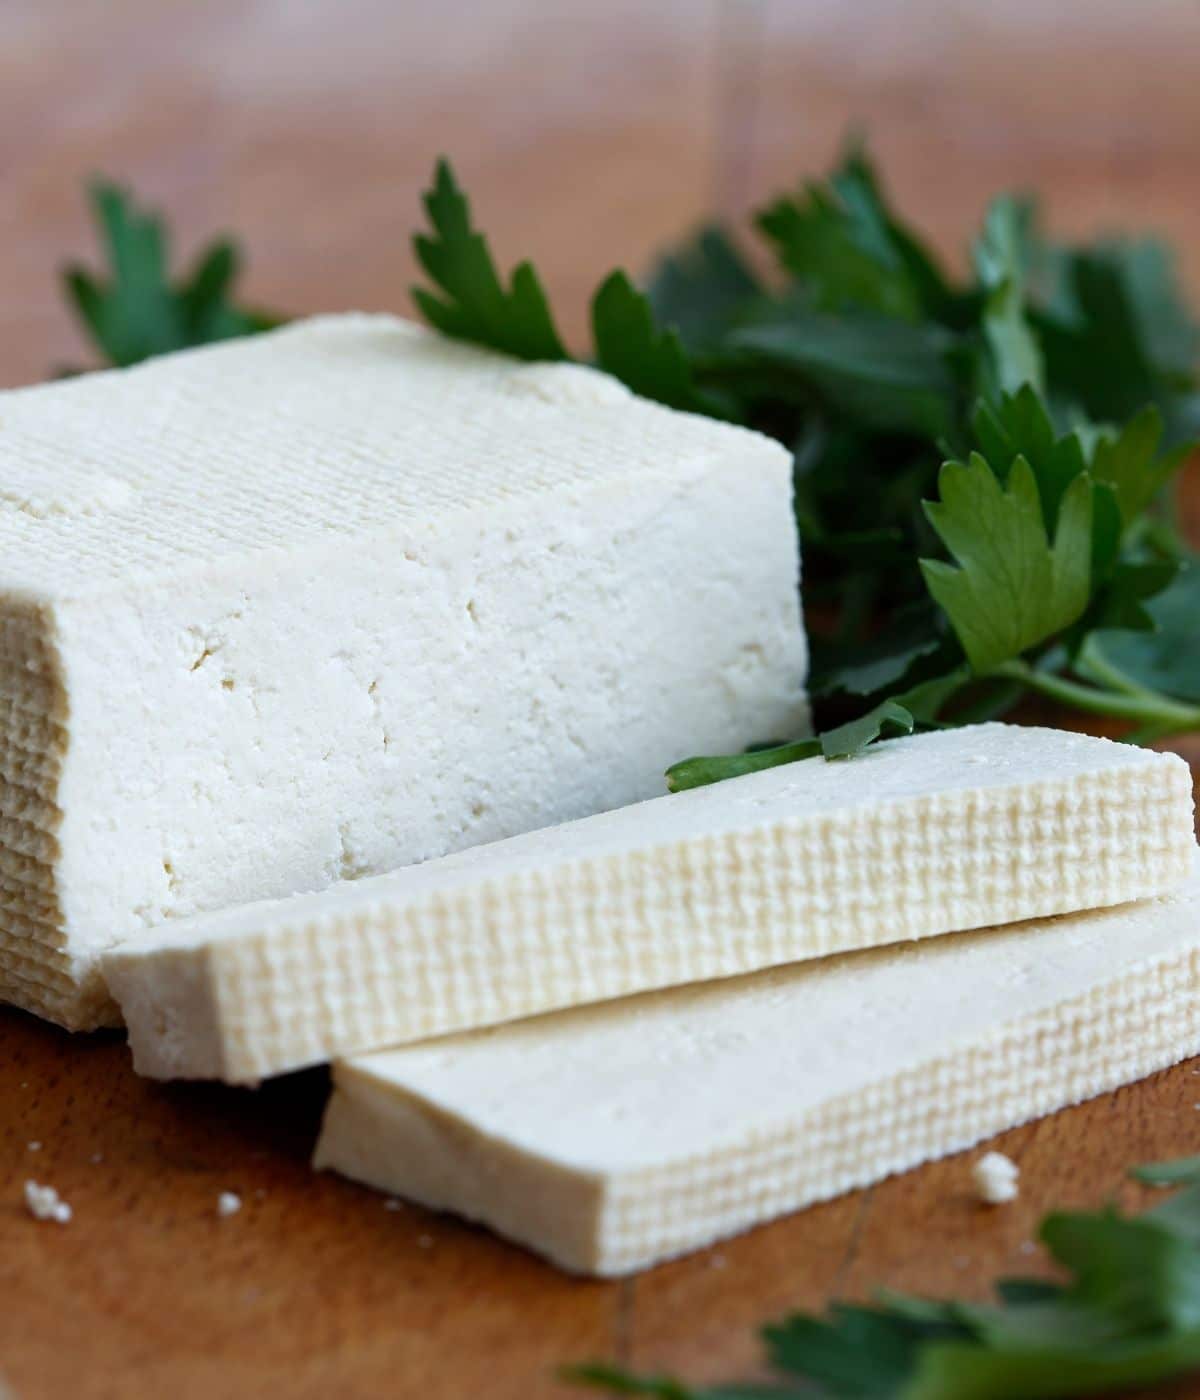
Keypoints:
(1092, 665)
(1146, 707)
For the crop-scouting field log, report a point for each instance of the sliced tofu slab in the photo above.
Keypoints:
(608, 1138)
(920, 836)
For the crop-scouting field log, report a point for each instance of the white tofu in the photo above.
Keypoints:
(44, 1203)
(919, 836)
(293, 610)
(996, 1179)
(608, 1138)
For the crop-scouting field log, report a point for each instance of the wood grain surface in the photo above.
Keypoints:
(589, 134)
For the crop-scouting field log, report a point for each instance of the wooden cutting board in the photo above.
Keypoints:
(589, 133)
(316, 1288)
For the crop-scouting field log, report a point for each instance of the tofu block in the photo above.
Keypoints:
(943, 831)
(609, 1138)
(289, 611)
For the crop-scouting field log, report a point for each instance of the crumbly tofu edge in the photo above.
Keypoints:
(450, 1165)
(37, 969)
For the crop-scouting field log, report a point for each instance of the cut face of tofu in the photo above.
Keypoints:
(293, 610)
(919, 836)
(611, 1137)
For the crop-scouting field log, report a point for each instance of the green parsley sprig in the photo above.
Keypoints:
(1128, 1315)
(977, 524)
(136, 310)
(983, 466)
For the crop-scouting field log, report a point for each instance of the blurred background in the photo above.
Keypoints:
(588, 133)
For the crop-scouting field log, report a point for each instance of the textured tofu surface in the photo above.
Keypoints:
(940, 832)
(292, 610)
(608, 1138)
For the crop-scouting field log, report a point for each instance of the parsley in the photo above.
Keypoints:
(919, 704)
(701, 288)
(886, 374)
(817, 241)
(846, 245)
(1014, 357)
(982, 466)
(1127, 1315)
(1166, 655)
(847, 740)
(870, 362)
(1128, 462)
(1018, 425)
(136, 311)
(650, 360)
(475, 305)
(1013, 588)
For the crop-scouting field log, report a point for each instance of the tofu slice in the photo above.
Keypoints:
(293, 610)
(943, 831)
(609, 1138)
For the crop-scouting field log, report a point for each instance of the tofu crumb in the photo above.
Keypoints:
(392, 1203)
(228, 1203)
(34, 1146)
(995, 1177)
(44, 1203)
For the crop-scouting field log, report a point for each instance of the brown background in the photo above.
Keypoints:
(588, 134)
